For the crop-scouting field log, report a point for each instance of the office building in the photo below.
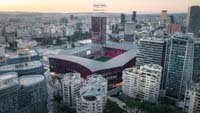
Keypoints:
(133, 18)
(9, 86)
(32, 94)
(71, 84)
(151, 51)
(196, 60)
(129, 31)
(20, 56)
(25, 68)
(164, 16)
(99, 30)
(178, 64)
(192, 99)
(93, 95)
(123, 19)
(172, 19)
(142, 82)
(193, 22)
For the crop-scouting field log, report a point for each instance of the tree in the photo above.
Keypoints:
(112, 107)
(73, 45)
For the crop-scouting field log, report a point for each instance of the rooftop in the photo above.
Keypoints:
(24, 53)
(31, 79)
(93, 87)
(72, 77)
(8, 80)
(21, 66)
(144, 68)
(153, 67)
(153, 39)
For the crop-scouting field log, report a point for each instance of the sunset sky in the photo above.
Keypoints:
(142, 6)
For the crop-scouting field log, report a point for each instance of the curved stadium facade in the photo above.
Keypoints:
(109, 60)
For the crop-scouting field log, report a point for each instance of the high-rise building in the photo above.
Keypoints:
(193, 22)
(123, 18)
(178, 64)
(192, 99)
(151, 51)
(133, 18)
(32, 97)
(9, 86)
(99, 30)
(71, 84)
(172, 28)
(93, 95)
(172, 20)
(196, 60)
(25, 94)
(164, 16)
(129, 31)
(142, 82)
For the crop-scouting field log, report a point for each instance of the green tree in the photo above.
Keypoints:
(112, 107)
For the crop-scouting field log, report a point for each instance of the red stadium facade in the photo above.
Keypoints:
(114, 74)
(119, 59)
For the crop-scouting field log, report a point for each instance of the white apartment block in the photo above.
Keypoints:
(192, 99)
(93, 95)
(142, 82)
(71, 84)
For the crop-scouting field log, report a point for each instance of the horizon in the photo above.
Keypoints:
(128, 13)
(86, 6)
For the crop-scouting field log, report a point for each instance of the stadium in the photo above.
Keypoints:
(100, 57)
(109, 60)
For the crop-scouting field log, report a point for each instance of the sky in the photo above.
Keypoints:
(126, 6)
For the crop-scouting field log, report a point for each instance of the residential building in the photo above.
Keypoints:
(142, 82)
(172, 28)
(93, 95)
(71, 84)
(192, 99)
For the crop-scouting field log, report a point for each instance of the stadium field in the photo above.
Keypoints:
(102, 59)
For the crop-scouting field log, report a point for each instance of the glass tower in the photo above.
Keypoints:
(178, 65)
(196, 60)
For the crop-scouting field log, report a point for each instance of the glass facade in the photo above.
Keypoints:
(32, 95)
(8, 99)
(178, 66)
(196, 65)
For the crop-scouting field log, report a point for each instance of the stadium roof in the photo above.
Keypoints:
(94, 65)
(109, 44)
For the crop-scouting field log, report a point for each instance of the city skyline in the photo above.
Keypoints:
(116, 6)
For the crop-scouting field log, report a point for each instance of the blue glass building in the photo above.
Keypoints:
(178, 65)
